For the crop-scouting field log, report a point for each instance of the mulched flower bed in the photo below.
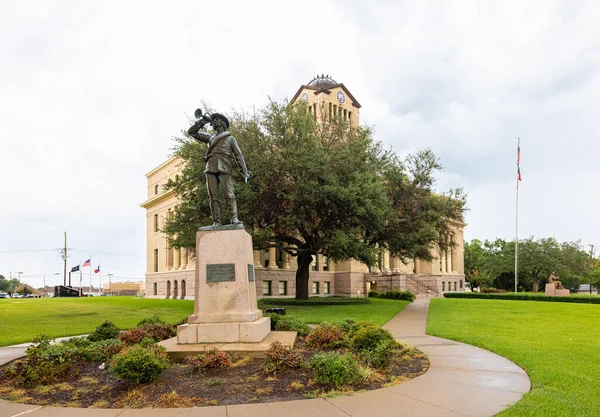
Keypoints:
(86, 385)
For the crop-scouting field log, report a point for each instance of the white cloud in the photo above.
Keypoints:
(92, 92)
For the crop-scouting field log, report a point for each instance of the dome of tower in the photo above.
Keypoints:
(322, 81)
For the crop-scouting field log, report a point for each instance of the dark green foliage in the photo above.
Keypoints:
(213, 359)
(291, 324)
(366, 198)
(151, 320)
(524, 297)
(394, 295)
(106, 330)
(138, 364)
(156, 331)
(274, 319)
(46, 363)
(280, 357)
(101, 351)
(327, 336)
(367, 338)
(381, 355)
(334, 369)
(314, 301)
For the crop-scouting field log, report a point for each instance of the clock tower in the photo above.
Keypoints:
(326, 98)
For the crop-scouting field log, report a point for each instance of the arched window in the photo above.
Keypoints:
(183, 289)
(168, 289)
(175, 289)
(461, 284)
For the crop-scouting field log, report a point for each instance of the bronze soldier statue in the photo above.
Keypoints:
(221, 153)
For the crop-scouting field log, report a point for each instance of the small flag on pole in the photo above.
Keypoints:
(519, 162)
(87, 263)
(97, 270)
(75, 268)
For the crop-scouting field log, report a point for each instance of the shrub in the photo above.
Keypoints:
(101, 351)
(280, 357)
(524, 297)
(327, 335)
(381, 355)
(105, 331)
(138, 364)
(333, 369)
(155, 331)
(492, 290)
(314, 301)
(369, 337)
(151, 320)
(213, 359)
(46, 363)
(291, 324)
(274, 319)
(394, 295)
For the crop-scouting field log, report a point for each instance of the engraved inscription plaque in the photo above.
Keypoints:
(220, 272)
(250, 273)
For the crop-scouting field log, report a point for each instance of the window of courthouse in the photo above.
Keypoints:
(282, 287)
(155, 288)
(156, 223)
(315, 287)
(266, 287)
(327, 288)
(155, 260)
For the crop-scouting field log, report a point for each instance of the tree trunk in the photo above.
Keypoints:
(302, 275)
(535, 282)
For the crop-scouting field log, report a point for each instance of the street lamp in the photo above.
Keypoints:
(110, 284)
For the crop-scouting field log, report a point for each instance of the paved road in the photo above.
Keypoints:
(462, 381)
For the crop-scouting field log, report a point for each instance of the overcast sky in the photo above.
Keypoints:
(91, 94)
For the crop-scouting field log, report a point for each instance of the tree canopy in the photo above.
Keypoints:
(538, 258)
(321, 188)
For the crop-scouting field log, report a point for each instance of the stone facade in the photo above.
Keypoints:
(170, 272)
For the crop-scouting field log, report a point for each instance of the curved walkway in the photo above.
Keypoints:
(462, 381)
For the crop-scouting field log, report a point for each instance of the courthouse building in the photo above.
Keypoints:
(170, 271)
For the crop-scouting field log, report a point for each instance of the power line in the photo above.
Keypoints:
(27, 250)
(108, 253)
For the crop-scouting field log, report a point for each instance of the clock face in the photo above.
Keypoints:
(304, 97)
(341, 97)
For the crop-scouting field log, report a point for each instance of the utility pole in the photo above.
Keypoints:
(19, 276)
(65, 261)
(591, 263)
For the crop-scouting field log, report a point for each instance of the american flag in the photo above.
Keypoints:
(87, 263)
(519, 163)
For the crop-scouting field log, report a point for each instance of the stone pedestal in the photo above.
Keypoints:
(552, 291)
(225, 309)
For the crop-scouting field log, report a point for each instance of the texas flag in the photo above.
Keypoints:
(97, 270)
(87, 263)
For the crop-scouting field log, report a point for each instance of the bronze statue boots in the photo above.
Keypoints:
(233, 210)
(215, 212)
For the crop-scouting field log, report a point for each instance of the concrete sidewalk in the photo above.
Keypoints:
(462, 381)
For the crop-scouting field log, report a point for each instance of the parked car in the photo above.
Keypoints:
(4, 295)
(17, 295)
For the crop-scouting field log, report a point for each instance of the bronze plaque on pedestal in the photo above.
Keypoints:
(220, 272)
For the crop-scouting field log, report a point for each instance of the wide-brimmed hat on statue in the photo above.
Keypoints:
(220, 116)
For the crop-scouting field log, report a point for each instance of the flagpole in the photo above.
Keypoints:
(91, 293)
(517, 216)
(80, 280)
(99, 279)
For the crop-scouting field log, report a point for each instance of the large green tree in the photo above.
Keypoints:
(320, 188)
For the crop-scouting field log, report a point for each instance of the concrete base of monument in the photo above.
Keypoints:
(236, 332)
(236, 350)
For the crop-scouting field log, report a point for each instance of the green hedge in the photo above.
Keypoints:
(315, 301)
(523, 297)
(393, 295)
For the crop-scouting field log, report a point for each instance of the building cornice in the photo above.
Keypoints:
(167, 162)
(155, 200)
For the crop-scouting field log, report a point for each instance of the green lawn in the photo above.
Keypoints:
(557, 344)
(379, 311)
(21, 320)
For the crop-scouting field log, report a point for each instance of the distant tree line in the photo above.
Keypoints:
(491, 264)
(8, 285)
